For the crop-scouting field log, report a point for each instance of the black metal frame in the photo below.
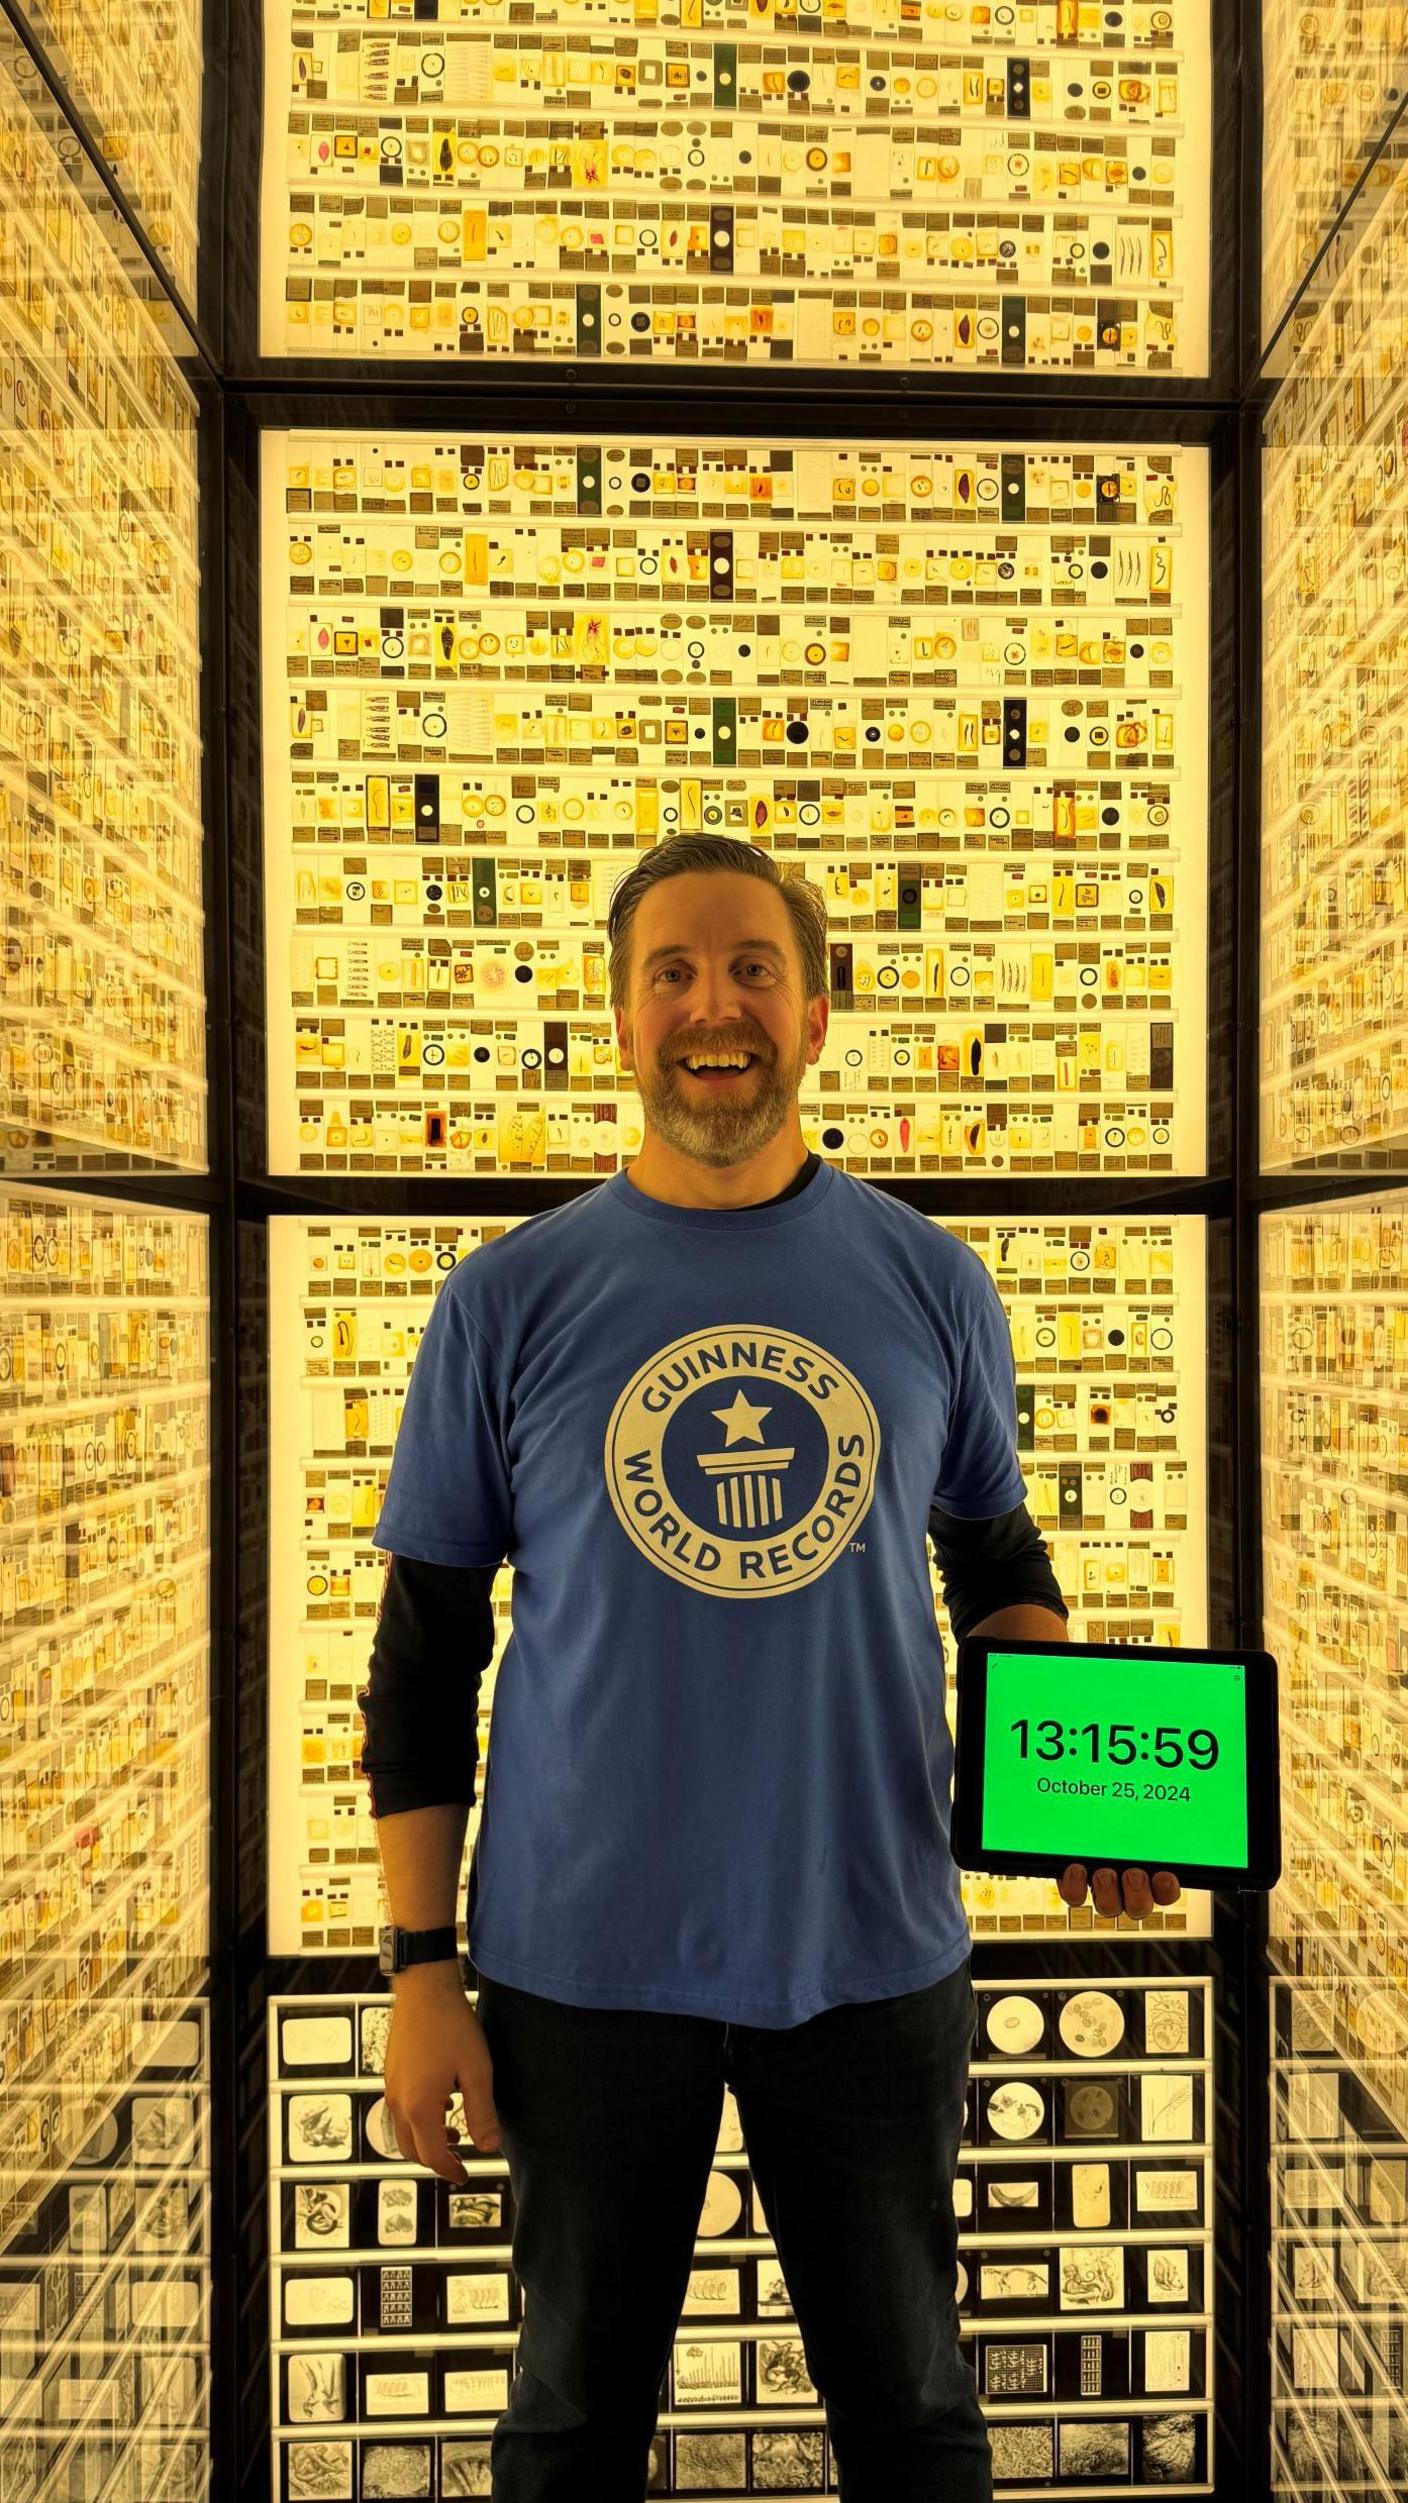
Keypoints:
(240, 393)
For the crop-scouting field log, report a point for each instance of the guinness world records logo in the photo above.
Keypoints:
(742, 1460)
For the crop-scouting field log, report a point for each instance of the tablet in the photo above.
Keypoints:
(1120, 1756)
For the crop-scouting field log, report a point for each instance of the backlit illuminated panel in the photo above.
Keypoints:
(963, 690)
(102, 1010)
(1084, 2199)
(937, 185)
(1108, 1336)
(1334, 1341)
(104, 1818)
(1334, 887)
(348, 1303)
(1333, 76)
(134, 72)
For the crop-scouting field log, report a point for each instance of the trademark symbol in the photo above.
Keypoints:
(857, 1546)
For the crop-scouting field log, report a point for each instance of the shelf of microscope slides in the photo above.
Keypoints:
(1087, 2306)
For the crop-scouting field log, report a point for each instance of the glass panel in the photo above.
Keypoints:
(1333, 78)
(104, 1815)
(1335, 1511)
(102, 1011)
(964, 689)
(1334, 886)
(134, 73)
(958, 186)
(104, 1358)
(1085, 2209)
(1108, 1335)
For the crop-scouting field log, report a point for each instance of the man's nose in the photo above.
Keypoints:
(720, 1004)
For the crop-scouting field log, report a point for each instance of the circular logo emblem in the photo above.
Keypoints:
(742, 1461)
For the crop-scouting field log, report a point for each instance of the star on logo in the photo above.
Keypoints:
(742, 1422)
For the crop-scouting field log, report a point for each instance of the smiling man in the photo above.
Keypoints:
(709, 1412)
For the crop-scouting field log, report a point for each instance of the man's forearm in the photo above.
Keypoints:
(988, 1563)
(1021, 1625)
(421, 1852)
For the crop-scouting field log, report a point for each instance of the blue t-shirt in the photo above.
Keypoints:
(718, 1771)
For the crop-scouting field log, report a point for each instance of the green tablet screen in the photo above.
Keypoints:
(1123, 1759)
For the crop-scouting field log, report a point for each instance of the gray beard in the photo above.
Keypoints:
(727, 1132)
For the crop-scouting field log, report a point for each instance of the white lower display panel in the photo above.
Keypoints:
(1084, 2204)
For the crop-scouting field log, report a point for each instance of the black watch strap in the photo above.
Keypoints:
(401, 1947)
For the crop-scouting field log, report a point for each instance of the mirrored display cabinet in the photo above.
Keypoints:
(1024, 568)
(107, 1464)
(1333, 1281)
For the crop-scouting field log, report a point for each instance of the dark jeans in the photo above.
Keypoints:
(610, 2120)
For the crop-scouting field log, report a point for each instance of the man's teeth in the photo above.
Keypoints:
(718, 1060)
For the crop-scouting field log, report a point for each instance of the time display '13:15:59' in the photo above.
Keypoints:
(1117, 1742)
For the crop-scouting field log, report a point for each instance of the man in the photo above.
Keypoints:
(708, 1412)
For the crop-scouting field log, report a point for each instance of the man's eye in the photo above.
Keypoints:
(751, 964)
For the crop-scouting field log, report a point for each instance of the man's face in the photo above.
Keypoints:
(715, 967)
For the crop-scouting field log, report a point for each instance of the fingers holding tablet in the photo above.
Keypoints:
(1135, 1895)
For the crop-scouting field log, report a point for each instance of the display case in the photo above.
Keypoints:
(1335, 1512)
(1334, 76)
(964, 687)
(952, 187)
(102, 1010)
(1333, 1322)
(104, 1809)
(1109, 1338)
(105, 1343)
(1085, 2206)
(133, 73)
(1334, 891)
(1339, 2262)
(961, 678)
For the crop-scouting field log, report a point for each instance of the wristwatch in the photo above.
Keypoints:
(400, 1947)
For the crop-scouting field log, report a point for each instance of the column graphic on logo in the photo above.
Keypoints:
(748, 1489)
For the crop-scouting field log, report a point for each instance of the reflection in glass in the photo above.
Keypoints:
(1335, 1509)
(134, 72)
(102, 1010)
(104, 1815)
(1334, 873)
(1333, 77)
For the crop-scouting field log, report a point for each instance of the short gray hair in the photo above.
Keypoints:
(682, 855)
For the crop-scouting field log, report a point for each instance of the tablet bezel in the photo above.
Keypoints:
(1263, 1867)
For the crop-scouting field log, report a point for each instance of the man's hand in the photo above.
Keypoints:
(1139, 1897)
(1042, 1625)
(435, 2050)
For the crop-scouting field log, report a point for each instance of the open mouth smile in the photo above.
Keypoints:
(718, 1069)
